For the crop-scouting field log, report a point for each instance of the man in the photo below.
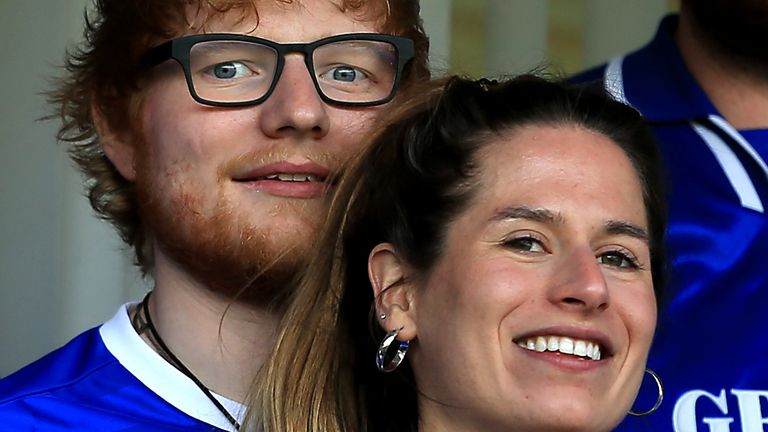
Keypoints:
(209, 132)
(703, 84)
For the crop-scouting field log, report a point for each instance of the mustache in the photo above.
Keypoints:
(334, 163)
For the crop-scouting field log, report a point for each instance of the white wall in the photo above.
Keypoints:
(613, 26)
(516, 35)
(437, 23)
(62, 270)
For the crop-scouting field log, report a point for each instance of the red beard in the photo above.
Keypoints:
(222, 250)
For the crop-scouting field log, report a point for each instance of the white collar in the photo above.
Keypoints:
(160, 376)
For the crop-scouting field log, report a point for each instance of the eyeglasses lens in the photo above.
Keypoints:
(345, 71)
(231, 71)
(356, 71)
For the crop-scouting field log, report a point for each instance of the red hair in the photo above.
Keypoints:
(103, 74)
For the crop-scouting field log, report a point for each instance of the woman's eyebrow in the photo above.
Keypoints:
(613, 227)
(625, 228)
(524, 212)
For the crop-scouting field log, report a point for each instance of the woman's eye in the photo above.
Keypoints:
(618, 259)
(229, 70)
(525, 244)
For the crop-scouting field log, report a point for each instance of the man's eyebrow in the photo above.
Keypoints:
(626, 228)
(524, 212)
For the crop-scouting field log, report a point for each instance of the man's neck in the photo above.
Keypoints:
(741, 98)
(221, 342)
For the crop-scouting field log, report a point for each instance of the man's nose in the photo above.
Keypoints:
(294, 107)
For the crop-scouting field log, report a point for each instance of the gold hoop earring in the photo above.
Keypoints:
(655, 406)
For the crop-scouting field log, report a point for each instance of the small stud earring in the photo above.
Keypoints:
(383, 316)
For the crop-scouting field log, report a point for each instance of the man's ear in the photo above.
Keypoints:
(393, 290)
(120, 150)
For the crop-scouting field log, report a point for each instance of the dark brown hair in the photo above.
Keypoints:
(417, 174)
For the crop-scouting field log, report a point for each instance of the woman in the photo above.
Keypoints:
(508, 236)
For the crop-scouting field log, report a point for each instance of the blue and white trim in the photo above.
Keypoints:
(160, 376)
(732, 167)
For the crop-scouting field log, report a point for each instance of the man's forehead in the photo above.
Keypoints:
(250, 16)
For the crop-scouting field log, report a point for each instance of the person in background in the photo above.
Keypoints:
(504, 242)
(209, 133)
(702, 84)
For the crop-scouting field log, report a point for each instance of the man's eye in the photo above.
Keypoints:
(345, 74)
(525, 244)
(229, 70)
(618, 259)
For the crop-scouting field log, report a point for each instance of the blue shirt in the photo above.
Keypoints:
(107, 379)
(711, 347)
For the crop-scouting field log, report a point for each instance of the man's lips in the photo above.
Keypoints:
(284, 171)
(285, 179)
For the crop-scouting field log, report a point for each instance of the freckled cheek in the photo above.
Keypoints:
(352, 127)
(172, 166)
(179, 130)
(188, 142)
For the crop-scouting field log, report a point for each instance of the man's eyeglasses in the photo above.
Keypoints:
(356, 69)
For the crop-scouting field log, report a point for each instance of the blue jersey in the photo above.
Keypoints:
(107, 379)
(711, 347)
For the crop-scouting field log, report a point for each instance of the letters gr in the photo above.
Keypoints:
(751, 417)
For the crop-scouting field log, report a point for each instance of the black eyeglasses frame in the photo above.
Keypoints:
(179, 50)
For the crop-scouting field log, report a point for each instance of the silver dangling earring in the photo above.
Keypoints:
(658, 400)
(389, 339)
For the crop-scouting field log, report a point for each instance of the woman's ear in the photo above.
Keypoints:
(393, 290)
(120, 151)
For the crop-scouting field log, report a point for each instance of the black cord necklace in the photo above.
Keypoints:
(160, 344)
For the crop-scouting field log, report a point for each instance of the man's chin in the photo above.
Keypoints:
(236, 261)
(221, 249)
(259, 276)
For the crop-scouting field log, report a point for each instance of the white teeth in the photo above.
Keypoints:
(553, 343)
(562, 344)
(580, 348)
(293, 177)
(566, 345)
